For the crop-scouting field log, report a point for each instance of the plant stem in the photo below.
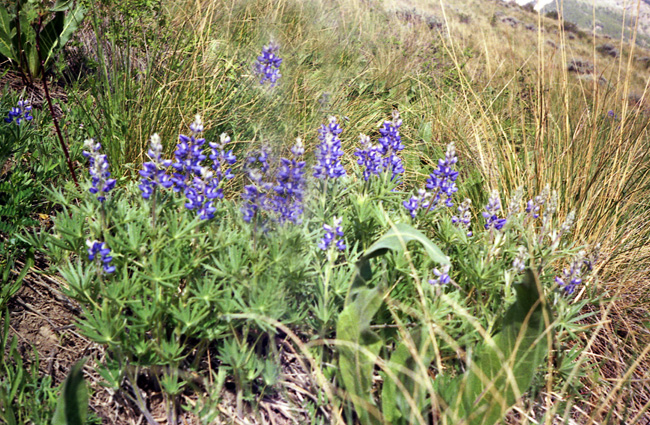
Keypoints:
(49, 103)
(153, 208)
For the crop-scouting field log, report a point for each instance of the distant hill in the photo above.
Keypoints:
(609, 17)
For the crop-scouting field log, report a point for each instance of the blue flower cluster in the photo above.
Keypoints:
(572, 276)
(101, 183)
(329, 152)
(490, 213)
(283, 195)
(333, 235)
(20, 113)
(290, 186)
(154, 172)
(442, 275)
(390, 143)
(440, 186)
(464, 217)
(519, 262)
(370, 157)
(267, 66)
(100, 253)
(255, 194)
(534, 205)
(201, 185)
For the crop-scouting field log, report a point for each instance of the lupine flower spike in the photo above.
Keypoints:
(154, 172)
(464, 217)
(533, 206)
(442, 275)
(290, 186)
(329, 152)
(333, 235)
(519, 263)
(101, 184)
(369, 157)
(390, 143)
(267, 66)
(101, 254)
(490, 213)
(20, 113)
(441, 185)
(256, 194)
(572, 276)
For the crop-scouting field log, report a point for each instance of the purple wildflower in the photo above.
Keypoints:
(533, 205)
(442, 182)
(329, 152)
(369, 157)
(267, 66)
(154, 172)
(464, 217)
(20, 113)
(572, 275)
(390, 143)
(101, 184)
(422, 200)
(188, 156)
(290, 186)
(490, 213)
(519, 263)
(256, 194)
(440, 186)
(333, 234)
(104, 257)
(442, 275)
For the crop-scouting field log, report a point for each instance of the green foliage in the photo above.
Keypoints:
(25, 396)
(22, 33)
(503, 367)
(72, 405)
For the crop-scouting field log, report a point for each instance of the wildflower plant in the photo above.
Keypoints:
(267, 66)
(439, 188)
(20, 113)
(165, 292)
(329, 151)
(101, 184)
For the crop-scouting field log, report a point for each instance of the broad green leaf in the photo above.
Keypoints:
(357, 358)
(49, 36)
(72, 405)
(72, 22)
(61, 5)
(395, 406)
(6, 34)
(485, 393)
(396, 240)
(398, 237)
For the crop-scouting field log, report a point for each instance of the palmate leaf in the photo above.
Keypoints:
(501, 370)
(360, 345)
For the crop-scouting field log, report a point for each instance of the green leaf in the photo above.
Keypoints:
(6, 34)
(72, 405)
(357, 357)
(398, 237)
(72, 22)
(49, 36)
(406, 365)
(61, 5)
(504, 368)
(9, 289)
